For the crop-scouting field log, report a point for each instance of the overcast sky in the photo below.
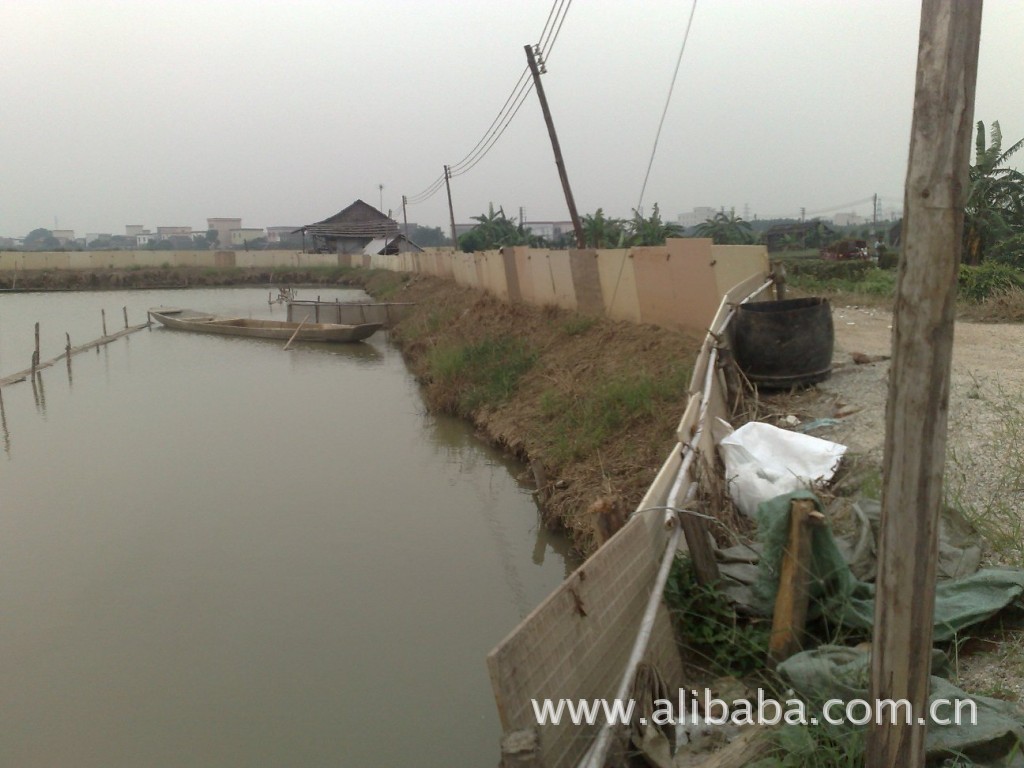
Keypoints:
(166, 113)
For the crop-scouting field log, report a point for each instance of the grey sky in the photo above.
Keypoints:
(165, 113)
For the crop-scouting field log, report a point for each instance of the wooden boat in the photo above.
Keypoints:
(189, 320)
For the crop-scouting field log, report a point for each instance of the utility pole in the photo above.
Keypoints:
(874, 211)
(405, 221)
(577, 227)
(918, 398)
(451, 211)
(381, 188)
(802, 212)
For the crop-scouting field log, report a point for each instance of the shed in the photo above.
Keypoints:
(350, 230)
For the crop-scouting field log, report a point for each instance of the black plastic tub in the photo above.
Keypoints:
(780, 344)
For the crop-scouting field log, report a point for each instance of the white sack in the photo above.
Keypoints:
(762, 461)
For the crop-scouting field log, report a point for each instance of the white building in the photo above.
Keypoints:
(696, 216)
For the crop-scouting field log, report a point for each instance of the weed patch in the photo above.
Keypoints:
(582, 421)
(482, 374)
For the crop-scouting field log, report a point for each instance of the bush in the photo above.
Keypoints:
(988, 280)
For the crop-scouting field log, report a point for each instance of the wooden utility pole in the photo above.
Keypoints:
(922, 348)
(451, 211)
(577, 227)
(405, 223)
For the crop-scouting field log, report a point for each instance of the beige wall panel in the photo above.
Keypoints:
(561, 273)
(45, 261)
(735, 263)
(559, 651)
(10, 261)
(495, 268)
(480, 271)
(618, 284)
(508, 258)
(524, 275)
(586, 281)
(540, 273)
(694, 280)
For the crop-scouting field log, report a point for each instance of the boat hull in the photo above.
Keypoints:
(188, 320)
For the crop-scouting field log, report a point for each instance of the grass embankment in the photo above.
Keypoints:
(591, 404)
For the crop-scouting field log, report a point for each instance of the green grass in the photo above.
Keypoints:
(580, 422)
(578, 324)
(472, 376)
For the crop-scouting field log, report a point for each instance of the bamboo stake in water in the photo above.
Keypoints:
(103, 315)
(296, 332)
(125, 310)
(35, 355)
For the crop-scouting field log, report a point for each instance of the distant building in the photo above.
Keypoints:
(850, 219)
(549, 230)
(223, 229)
(243, 235)
(144, 238)
(280, 234)
(166, 233)
(64, 236)
(696, 216)
(350, 230)
(133, 230)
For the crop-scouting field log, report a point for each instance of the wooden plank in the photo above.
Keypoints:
(14, 378)
(918, 401)
(791, 600)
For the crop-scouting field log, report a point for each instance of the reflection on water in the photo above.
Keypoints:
(3, 426)
(214, 552)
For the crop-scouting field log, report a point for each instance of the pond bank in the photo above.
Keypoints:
(590, 404)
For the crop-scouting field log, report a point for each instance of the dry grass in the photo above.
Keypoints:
(1005, 307)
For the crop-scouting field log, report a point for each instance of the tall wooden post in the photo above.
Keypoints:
(918, 402)
(103, 317)
(405, 223)
(451, 211)
(577, 227)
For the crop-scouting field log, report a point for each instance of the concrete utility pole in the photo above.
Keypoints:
(577, 227)
(922, 350)
(451, 211)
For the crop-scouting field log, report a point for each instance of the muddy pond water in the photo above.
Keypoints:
(214, 552)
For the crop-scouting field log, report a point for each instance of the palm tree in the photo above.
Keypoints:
(726, 229)
(994, 214)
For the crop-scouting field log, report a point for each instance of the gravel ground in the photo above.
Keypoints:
(985, 467)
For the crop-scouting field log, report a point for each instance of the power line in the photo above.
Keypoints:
(518, 94)
(672, 85)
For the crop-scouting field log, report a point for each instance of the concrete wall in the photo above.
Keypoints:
(14, 260)
(676, 285)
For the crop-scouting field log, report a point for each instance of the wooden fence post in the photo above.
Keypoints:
(922, 350)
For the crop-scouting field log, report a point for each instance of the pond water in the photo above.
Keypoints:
(214, 552)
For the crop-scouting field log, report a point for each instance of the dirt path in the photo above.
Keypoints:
(987, 378)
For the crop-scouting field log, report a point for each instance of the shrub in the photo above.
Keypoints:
(987, 280)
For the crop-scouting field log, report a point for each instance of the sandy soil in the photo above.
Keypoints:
(987, 377)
